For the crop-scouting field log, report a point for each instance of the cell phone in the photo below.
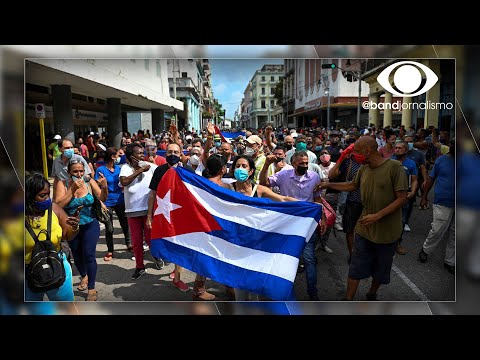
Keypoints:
(78, 210)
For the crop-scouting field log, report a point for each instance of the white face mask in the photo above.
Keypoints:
(142, 163)
(249, 151)
(194, 160)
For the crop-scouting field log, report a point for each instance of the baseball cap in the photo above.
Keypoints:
(92, 133)
(335, 132)
(102, 147)
(354, 133)
(252, 139)
(57, 137)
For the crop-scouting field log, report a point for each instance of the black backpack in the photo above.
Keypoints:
(45, 271)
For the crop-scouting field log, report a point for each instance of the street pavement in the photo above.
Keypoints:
(410, 279)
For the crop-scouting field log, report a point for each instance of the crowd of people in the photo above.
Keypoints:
(372, 177)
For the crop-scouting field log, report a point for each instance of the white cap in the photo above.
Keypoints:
(57, 137)
(92, 133)
(102, 147)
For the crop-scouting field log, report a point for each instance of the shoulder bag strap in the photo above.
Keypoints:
(49, 222)
(32, 233)
(254, 190)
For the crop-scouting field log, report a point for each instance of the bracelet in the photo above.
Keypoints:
(75, 229)
(209, 137)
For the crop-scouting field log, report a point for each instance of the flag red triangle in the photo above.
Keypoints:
(180, 212)
(217, 131)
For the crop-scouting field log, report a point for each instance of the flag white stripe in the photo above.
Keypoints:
(281, 265)
(257, 218)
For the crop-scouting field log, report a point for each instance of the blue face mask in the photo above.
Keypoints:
(301, 146)
(123, 159)
(241, 174)
(43, 205)
(218, 143)
(318, 148)
(410, 146)
(68, 153)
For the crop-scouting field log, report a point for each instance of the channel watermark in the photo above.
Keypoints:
(399, 105)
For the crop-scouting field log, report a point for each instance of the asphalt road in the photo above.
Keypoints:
(410, 279)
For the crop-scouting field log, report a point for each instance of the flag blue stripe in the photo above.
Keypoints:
(259, 240)
(267, 285)
(296, 208)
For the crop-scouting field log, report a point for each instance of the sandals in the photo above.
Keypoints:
(83, 285)
(108, 257)
(92, 296)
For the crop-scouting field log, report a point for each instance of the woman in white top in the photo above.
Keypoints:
(135, 177)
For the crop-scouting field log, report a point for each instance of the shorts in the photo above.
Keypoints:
(371, 259)
(352, 213)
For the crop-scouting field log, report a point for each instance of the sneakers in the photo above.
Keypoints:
(138, 273)
(180, 285)
(159, 264)
(406, 228)
(371, 297)
(401, 250)
(450, 268)
(327, 249)
(423, 256)
(338, 227)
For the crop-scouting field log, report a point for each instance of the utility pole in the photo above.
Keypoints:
(174, 90)
(359, 79)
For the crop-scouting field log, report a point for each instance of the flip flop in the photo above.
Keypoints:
(92, 296)
(82, 287)
(108, 257)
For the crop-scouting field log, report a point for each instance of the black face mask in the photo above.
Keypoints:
(288, 146)
(302, 170)
(277, 160)
(172, 159)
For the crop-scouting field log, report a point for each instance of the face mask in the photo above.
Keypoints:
(289, 146)
(301, 146)
(240, 174)
(249, 151)
(443, 141)
(172, 159)
(218, 143)
(360, 159)
(117, 160)
(302, 170)
(410, 146)
(194, 160)
(68, 153)
(278, 159)
(74, 178)
(43, 205)
(325, 158)
(123, 159)
(318, 148)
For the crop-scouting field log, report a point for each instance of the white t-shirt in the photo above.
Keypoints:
(136, 194)
(326, 170)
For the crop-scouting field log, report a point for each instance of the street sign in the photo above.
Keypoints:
(40, 111)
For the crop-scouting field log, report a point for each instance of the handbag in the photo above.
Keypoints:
(330, 214)
(99, 211)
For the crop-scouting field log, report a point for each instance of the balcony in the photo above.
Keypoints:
(263, 82)
(263, 95)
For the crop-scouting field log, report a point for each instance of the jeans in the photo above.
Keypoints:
(63, 293)
(311, 265)
(120, 211)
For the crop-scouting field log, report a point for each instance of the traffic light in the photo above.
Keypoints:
(329, 66)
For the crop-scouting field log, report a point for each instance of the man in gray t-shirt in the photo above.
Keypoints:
(60, 164)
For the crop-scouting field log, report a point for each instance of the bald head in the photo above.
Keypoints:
(366, 142)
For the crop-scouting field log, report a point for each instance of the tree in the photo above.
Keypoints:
(278, 94)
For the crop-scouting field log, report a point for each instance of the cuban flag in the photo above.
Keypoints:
(244, 242)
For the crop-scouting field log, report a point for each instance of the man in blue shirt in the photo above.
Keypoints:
(443, 173)
(400, 153)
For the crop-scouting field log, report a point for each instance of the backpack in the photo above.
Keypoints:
(45, 271)
(330, 214)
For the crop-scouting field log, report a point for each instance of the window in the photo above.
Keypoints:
(272, 78)
(263, 78)
(272, 104)
(263, 91)
(159, 69)
(147, 64)
(272, 91)
(263, 104)
(184, 75)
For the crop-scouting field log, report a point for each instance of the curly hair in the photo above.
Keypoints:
(34, 183)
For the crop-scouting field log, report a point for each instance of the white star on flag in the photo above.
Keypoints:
(165, 206)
